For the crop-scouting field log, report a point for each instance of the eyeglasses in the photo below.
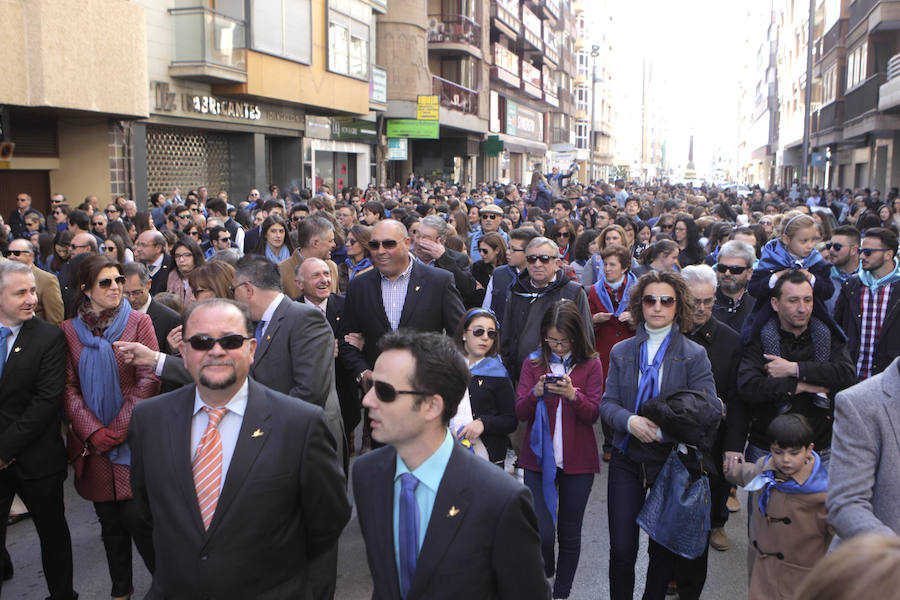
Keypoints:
(733, 269)
(651, 300)
(225, 240)
(480, 331)
(351, 242)
(57, 212)
(554, 342)
(205, 343)
(666, 227)
(21, 199)
(96, 223)
(194, 233)
(183, 255)
(296, 219)
(111, 210)
(237, 285)
(133, 293)
(106, 283)
(490, 216)
(544, 258)
(196, 210)
(387, 393)
(19, 252)
(707, 302)
(184, 216)
(109, 248)
(867, 252)
(81, 245)
(836, 246)
(561, 234)
(386, 244)
(765, 222)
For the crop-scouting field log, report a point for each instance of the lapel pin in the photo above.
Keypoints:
(480, 381)
(452, 512)
(257, 433)
(417, 287)
(16, 349)
(268, 337)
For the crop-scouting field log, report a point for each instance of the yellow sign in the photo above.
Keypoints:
(428, 108)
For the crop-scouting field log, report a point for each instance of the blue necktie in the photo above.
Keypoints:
(259, 331)
(5, 332)
(408, 531)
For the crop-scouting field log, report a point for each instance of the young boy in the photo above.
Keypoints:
(788, 532)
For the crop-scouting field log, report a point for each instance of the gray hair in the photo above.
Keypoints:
(738, 249)
(259, 271)
(702, 274)
(139, 269)
(540, 241)
(228, 255)
(8, 267)
(438, 224)
(311, 227)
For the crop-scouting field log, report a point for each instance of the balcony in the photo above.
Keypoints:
(454, 96)
(209, 46)
(559, 135)
(833, 37)
(531, 30)
(505, 17)
(863, 99)
(506, 66)
(889, 93)
(830, 116)
(531, 80)
(551, 54)
(454, 33)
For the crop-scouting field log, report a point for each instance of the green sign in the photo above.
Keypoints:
(492, 146)
(411, 128)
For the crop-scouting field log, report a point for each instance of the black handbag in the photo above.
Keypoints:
(676, 513)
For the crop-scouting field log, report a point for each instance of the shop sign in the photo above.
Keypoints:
(222, 107)
(412, 128)
(353, 129)
(397, 149)
(511, 116)
(523, 122)
(428, 108)
(378, 85)
(318, 127)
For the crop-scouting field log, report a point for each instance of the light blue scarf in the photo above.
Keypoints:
(283, 254)
(873, 284)
(765, 481)
(99, 375)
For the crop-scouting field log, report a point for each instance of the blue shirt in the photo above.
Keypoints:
(429, 475)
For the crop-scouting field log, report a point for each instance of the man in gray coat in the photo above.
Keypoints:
(864, 476)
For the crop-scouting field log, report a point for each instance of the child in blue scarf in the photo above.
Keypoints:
(787, 503)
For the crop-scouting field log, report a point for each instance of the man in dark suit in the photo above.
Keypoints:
(398, 292)
(150, 249)
(137, 291)
(314, 280)
(32, 457)
(428, 246)
(269, 494)
(438, 521)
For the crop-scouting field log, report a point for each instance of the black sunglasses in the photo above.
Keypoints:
(387, 393)
(561, 234)
(734, 270)
(836, 246)
(652, 299)
(490, 216)
(19, 252)
(666, 227)
(867, 252)
(544, 258)
(98, 223)
(386, 244)
(204, 343)
(105, 283)
(111, 210)
(480, 331)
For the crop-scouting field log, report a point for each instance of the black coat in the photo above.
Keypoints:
(493, 401)
(847, 313)
(164, 320)
(159, 281)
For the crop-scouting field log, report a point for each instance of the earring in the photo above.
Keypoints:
(464, 339)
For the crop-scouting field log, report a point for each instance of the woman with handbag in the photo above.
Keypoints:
(100, 394)
(559, 401)
(659, 359)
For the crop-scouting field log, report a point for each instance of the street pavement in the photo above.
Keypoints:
(726, 579)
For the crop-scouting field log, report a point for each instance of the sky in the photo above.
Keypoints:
(697, 48)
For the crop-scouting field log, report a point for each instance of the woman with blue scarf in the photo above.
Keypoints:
(559, 401)
(100, 394)
(358, 259)
(787, 509)
(492, 398)
(274, 242)
(659, 359)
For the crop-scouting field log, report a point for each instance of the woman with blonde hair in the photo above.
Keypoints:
(866, 566)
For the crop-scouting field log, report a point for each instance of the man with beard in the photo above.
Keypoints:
(843, 252)
(733, 269)
(244, 483)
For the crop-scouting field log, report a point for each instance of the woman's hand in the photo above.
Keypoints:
(644, 429)
(731, 461)
(564, 388)
(176, 343)
(626, 318)
(600, 317)
(472, 431)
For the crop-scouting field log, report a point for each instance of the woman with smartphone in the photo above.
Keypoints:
(559, 400)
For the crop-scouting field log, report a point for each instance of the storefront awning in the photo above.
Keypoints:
(521, 145)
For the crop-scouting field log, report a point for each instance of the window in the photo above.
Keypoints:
(581, 98)
(582, 131)
(856, 66)
(828, 84)
(348, 38)
(583, 62)
(282, 28)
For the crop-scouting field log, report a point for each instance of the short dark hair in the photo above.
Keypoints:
(218, 205)
(260, 271)
(523, 234)
(794, 276)
(139, 269)
(620, 252)
(791, 431)
(439, 366)
(268, 205)
(887, 237)
(565, 203)
(215, 231)
(245, 312)
(80, 219)
(847, 230)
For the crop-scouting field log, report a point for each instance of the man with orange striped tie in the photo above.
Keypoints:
(243, 483)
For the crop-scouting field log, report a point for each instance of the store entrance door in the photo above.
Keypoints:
(34, 183)
(337, 170)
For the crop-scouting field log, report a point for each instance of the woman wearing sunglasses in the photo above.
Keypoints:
(492, 400)
(657, 360)
(558, 398)
(100, 394)
(492, 252)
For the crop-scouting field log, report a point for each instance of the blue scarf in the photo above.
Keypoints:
(873, 284)
(489, 366)
(283, 254)
(765, 481)
(99, 374)
(839, 275)
(649, 384)
(606, 301)
(364, 265)
(776, 257)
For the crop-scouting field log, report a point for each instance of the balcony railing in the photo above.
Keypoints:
(455, 29)
(893, 67)
(830, 116)
(507, 12)
(454, 96)
(863, 99)
(832, 37)
(559, 135)
(858, 11)
(205, 36)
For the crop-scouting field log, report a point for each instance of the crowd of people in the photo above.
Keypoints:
(216, 363)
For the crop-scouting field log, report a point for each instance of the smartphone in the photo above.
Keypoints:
(552, 379)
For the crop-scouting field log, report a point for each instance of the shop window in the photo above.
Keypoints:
(348, 38)
(282, 28)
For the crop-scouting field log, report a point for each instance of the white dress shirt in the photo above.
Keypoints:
(267, 316)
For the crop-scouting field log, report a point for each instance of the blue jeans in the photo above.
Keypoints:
(574, 491)
(626, 495)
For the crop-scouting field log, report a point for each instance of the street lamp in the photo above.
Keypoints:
(595, 52)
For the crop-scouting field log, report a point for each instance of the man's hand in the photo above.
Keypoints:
(356, 340)
(472, 431)
(779, 367)
(365, 380)
(600, 317)
(434, 249)
(137, 354)
(176, 343)
(644, 429)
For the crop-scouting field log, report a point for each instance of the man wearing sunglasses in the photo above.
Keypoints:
(439, 496)
(842, 250)
(529, 298)
(49, 305)
(16, 220)
(243, 482)
(868, 309)
(98, 225)
(490, 216)
(218, 209)
(734, 267)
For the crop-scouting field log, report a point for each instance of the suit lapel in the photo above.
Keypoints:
(413, 292)
(890, 383)
(19, 348)
(250, 442)
(271, 329)
(382, 507)
(376, 299)
(450, 509)
(180, 452)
